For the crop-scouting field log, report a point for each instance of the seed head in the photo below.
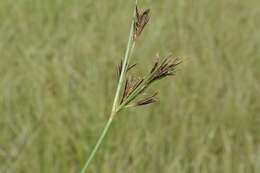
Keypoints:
(135, 87)
(147, 100)
(161, 70)
(141, 20)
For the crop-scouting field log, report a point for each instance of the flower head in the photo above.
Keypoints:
(142, 18)
(136, 87)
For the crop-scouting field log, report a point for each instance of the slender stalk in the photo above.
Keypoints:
(126, 60)
(102, 136)
(128, 53)
(124, 67)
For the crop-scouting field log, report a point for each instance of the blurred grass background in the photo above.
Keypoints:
(57, 71)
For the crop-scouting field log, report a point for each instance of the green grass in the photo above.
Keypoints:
(57, 81)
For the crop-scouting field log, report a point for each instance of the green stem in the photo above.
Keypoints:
(124, 67)
(103, 134)
(125, 63)
(129, 51)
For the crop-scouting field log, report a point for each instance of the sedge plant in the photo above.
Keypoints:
(131, 90)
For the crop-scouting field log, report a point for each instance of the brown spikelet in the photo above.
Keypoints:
(131, 85)
(166, 68)
(147, 100)
(126, 90)
(141, 20)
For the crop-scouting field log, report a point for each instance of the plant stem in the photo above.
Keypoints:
(103, 134)
(124, 67)
(128, 53)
